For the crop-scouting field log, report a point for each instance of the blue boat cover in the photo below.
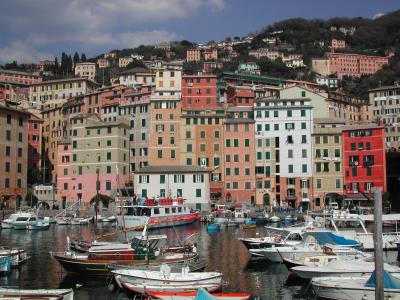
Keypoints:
(327, 237)
(389, 282)
(202, 294)
(249, 222)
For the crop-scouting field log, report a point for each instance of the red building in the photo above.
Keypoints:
(364, 159)
(35, 124)
(240, 96)
(199, 91)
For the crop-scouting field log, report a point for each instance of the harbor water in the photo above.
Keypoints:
(222, 251)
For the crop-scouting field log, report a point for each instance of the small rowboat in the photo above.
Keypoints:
(198, 295)
(40, 225)
(55, 294)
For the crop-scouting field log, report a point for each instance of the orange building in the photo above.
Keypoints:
(193, 55)
(199, 91)
(240, 96)
(239, 157)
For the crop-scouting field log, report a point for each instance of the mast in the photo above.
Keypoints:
(378, 245)
(121, 204)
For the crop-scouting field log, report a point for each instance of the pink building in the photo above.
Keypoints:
(35, 124)
(199, 91)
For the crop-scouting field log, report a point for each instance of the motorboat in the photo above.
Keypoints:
(7, 223)
(140, 281)
(288, 219)
(161, 212)
(276, 237)
(23, 220)
(80, 221)
(355, 287)
(54, 294)
(62, 220)
(249, 224)
(200, 294)
(143, 250)
(109, 219)
(5, 264)
(274, 219)
(313, 242)
(341, 268)
(213, 227)
(39, 225)
(18, 256)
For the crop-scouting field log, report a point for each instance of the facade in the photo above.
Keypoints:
(211, 54)
(35, 124)
(55, 92)
(249, 67)
(337, 44)
(193, 55)
(283, 151)
(385, 104)
(321, 66)
(329, 82)
(364, 160)
(239, 156)
(97, 149)
(123, 62)
(136, 77)
(86, 70)
(199, 91)
(327, 161)
(240, 96)
(189, 182)
(103, 63)
(19, 77)
(15, 92)
(14, 153)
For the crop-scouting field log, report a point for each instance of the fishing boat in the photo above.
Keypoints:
(23, 220)
(63, 220)
(109, 219)
(341, 268)
(80, 221)
(201, 294)
(162, 212)
(143, 250)
(355, 287)
(40, 225)
(55, 294)
(5, 265)
(249, 224)
(288, 219)
(140, 281)
(213, 227)
(18, 256)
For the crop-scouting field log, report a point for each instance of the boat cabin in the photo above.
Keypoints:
(156, 207)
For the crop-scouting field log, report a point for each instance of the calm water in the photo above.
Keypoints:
(222, 251)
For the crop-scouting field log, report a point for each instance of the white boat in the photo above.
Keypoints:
(274, 219)
(39, 225)
(109, 219)
(63, 221)
(140, 281)
(7, 223)
(23, 220)
(79, 221)
(18, 256)
(341, 268)
(163, 212)
(290, 236)
(355, 288)
(56, 294)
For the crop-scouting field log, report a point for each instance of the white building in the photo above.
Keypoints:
(168, 81)
(85, 70)
(136, 77)
(331, 83)
(103, 63)
(189, 182)
(124, 61)
(284, 150)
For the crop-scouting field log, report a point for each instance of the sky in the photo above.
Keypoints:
(31, 30)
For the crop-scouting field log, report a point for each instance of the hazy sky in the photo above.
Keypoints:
(37, 29)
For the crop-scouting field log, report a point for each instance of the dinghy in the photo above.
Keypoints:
(56, 294)
(201, 294)
(5, 264)
(40, 225)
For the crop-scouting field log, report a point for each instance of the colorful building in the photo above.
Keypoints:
(86, 70)
(35, 124)
(14, 153)
(199, 91)
(364, 160)
(19, 77)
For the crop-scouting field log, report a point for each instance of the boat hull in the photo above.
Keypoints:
(81, 265)
(192, 296)
(138, 222)
(61, 294)
(38, 226)
(18, 257)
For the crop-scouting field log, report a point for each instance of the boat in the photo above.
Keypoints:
(262, 218)
(249, 224)
(54, 294)
(18, 256)
(7, 223)
(288, 219)
(109, 219)
(355, 287)
(274, 219)
(195, 266)
(162, 212)
(40, 225)
(341, 268)
(201, 294)
(143, 250)
(80, 221)
(51, 220)
(313, 242)
(276, 237)
(5, 264)
(213, 227)
(231, 224)
(23, 220)
(140, 281)
(62, 220)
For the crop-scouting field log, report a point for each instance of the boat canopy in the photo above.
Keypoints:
(327, 237)
(202, 294)
(389, 282)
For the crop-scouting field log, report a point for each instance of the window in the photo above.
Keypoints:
(304, 139)
(65, 186)
(267, 155)
(267, 127)
(247, 143)
(108, 169)
(303, 94)
(162, 178)
(189, 148)
(198, 193)
(336, 138)
(304, 153)
(179, 178)
(317, 153)
(235, 185)
(228, 143)
(276, 113)
(247, 185)
(7, 167)
(289, 113)
(338, 184)
(19, 152)
(354, 171)
(108, 155)
(8, 119)
(108, 185)
(197, 178)
(318, 140)
(173, 154)
(236, 171)
(236, 143)
(247, 171)
(337, 152)
(247, 157)
(228, 171)
(8, 151)
(337, 166)
(179, 193)
(290, 168)
(368, 146)
(290, 153)
(259, 155)
(202, 134)
(276, 127)
(159, 153)
(303, 113)
(303, 125)
(202, 147)
(326, 166)
(8, 135)
(304, 168)
(319, 183)
(369, 171)
(20, 137)
(325, 139)
(353, 146)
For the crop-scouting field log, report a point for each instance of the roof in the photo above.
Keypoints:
(19, 73)
(134, 71)
(239, 108)
(387, 87)
(172, 169)
(66, 80)
(108, 124)
(256, 78)
(363, 126)
(15, 110)
(239, 121)
(329, 121)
